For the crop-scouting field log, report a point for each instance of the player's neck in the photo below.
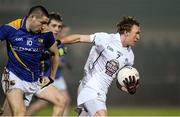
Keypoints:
(27, 25)
(123, 40)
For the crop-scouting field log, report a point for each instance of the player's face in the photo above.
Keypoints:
(133, 36)
(38, 23)
(55, 27)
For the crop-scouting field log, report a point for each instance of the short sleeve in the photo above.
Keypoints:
(49, 39)
(99, 38)
(4, 31)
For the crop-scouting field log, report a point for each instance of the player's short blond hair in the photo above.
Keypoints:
(126, 24)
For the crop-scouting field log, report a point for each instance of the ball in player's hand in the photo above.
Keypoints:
(128, 79)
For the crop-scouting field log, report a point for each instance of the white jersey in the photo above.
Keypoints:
(106, 58)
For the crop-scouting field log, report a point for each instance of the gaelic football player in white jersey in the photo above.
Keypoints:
(109, 53)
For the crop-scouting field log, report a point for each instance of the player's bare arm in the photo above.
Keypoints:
(75, 38)
(54, 60)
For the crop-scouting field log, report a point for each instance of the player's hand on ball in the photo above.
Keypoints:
(131, 84)
(45, 81)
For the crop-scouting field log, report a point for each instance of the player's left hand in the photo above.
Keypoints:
(45, 81)
(131, 84)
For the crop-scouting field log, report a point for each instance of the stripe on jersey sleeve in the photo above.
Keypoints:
(15, 24)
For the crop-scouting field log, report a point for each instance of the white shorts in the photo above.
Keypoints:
(91, 99)
(60, 83)
(91, 107)
(13, 82)
(86, 93)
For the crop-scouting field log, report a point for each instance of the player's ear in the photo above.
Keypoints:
(126, 33)
(32, 17)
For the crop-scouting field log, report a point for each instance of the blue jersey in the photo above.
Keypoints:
(48, 65)
(25, 49)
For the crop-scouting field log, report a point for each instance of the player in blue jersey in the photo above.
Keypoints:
(22, 75)
(56, 26)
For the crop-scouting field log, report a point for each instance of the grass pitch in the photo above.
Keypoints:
(127, 111)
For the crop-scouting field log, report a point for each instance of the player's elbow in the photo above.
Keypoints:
(55, 56)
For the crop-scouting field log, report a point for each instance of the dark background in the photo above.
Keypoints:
(156, 55)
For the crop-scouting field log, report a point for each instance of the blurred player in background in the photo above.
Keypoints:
(22, 77)
(55, 25)
(65, 64)
(109, 53)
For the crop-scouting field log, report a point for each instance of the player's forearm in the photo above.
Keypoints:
(54, 65)
(71, 39)
(76, 38)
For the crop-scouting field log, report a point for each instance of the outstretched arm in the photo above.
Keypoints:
(75, 38)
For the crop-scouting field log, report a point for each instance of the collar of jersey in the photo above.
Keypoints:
(23, 24)
(118, 38)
